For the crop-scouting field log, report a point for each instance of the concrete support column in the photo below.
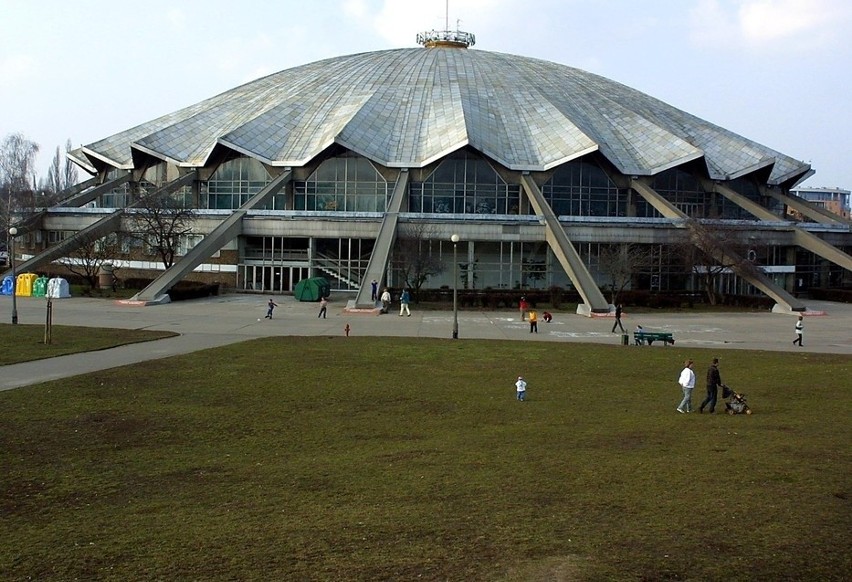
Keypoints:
(312, 252)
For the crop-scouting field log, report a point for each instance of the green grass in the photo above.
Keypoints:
(403, 458)
(24, 343)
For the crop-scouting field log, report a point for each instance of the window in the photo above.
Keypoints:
(234, 182)
(57, 236)
(346, 183)
(583, 189)
(464, 184)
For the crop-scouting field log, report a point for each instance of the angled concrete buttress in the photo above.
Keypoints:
(90, 194)
(93, 232)
(70, 193)
(812, 211)
(803, 238)
(565, 251)
(759, 280)
(817, 246)
(384, 242)
(229, 228)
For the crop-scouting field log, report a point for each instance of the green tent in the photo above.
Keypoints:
(312, 289)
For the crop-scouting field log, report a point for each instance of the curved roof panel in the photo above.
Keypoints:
(409, 107)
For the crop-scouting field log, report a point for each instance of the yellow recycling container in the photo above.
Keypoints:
(24, 285)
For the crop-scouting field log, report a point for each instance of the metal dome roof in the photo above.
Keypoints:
(410, 107)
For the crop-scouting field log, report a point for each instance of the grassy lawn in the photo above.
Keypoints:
(23, 343)
(404, 458)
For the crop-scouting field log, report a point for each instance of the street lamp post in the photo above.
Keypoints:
(455, 239)
(13, 232)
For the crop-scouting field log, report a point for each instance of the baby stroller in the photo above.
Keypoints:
(736, 403)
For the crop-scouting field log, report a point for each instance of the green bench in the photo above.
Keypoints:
(649, 337)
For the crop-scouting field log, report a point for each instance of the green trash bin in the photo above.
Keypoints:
(40, 287)
(625, 339)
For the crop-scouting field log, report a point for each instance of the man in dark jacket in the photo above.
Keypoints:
(714, 379)
(618, 311)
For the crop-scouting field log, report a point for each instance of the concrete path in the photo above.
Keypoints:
(219, 321)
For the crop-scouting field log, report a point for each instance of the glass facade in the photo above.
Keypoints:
(347, 183)
(748, 188)
(464, 184)
(234, 182)
(278, 263)
(583, 189)
(684, 191)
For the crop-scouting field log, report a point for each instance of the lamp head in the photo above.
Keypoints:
(454, 238)
(13, 231)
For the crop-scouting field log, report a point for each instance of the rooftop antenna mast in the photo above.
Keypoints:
(446, 38)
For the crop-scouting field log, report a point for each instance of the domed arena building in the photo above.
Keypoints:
(364, 167)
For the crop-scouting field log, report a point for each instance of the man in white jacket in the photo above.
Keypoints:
(687, 383)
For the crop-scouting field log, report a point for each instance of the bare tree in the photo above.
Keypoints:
(710, 249)
(55, 183)
(413, 258)
(69, 169)
(532, 271)
(621, 262)
(468, 275)
(62, 173)
(17, 177)
(88, 259)
(162, 223)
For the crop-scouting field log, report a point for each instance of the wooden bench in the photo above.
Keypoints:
(649, 337)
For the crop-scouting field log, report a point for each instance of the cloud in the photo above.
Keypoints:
(355, 8)
(767, 21)
(15, 68)
(176, 18)
(237, 54)
(792, 25)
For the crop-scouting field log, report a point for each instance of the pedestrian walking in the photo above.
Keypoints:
(521, 388)
(714, 380)
(323, 307)
(800, 331)
(404, 300)
(386, 300)
(618, 311)
(374, 287)
(523, 306)
(269, 307)
(687, 383)
(533, 321)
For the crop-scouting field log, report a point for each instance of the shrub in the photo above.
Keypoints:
(193, 290)
(839, 295)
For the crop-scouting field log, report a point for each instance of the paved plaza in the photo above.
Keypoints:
(217, 321)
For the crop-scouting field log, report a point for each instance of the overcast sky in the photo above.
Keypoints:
(778, 72)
